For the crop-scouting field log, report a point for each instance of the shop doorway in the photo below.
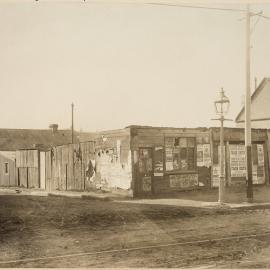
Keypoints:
(145, 170)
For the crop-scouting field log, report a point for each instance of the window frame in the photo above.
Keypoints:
(166, 146)
(6, 168)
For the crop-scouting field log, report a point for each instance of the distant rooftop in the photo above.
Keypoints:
(15, 139)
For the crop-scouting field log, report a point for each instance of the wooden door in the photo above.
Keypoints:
(145, 170)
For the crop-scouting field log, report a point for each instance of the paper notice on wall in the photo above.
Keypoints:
(146, 183)
(203, 155)
(260, 155)
(183, 180)
(199, 155)
(216, 174)
(237, 160)
(169, 159)
(206, 155)
(259, 175)
(169, 165)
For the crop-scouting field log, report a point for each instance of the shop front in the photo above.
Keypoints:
(167, 160)
(235, 157)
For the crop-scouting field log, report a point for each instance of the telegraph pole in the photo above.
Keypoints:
(72, 124)
(222, 176)
(247, 113)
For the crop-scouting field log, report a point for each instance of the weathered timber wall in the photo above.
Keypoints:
(7, 178)
(66, 165)
(103, 164)
(27, 168)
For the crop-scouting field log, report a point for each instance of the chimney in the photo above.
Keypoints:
(54, 128)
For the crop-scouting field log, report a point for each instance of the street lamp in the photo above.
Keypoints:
(222, 107)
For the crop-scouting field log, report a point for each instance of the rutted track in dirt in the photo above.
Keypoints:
(159, 246)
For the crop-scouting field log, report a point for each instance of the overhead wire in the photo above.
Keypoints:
(175, 5)
(200, 7)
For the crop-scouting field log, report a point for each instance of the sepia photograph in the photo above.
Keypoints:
(135, 134)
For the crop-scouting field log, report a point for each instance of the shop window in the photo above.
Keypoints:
(6, 168)
(145, 161)
(158, 159)
(180, 154)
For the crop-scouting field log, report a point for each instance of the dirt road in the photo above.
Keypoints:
(38, 227)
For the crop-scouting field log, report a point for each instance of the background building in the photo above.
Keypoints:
(260, 109)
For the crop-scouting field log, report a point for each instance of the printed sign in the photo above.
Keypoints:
(258, 170)
(146, 183)
(260, 155)
(199, 155)
(237, 160)
(203, 155)
(206, 155)
(215, 175)
(183, 180)
(169, 159)
(169, 141)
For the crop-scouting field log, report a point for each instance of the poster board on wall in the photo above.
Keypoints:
(258, 175)
(183, 180)
(158, 161)
(237, 160)
(203, 155)
(169, 159)
(146, 184)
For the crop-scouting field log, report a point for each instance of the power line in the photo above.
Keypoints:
(265, 17)
(200, 7)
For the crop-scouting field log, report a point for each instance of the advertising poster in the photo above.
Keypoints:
(237, 160)
(200, 155)
(146, 184)
(216, 169)
(260, 155)
(206, 155)
(203, 155)
(258, 170)
(215, 175)
(184, 180)
(169, 141)
(158, 161)
(169, 159)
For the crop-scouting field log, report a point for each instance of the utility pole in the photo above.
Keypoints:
(222, 169)
(247, 113)
(72, 124)
(255, 83)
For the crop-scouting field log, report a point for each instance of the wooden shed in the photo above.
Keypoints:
(7, 169)
(27, 169)
(104, 162)
(30, 168)
(67, 166)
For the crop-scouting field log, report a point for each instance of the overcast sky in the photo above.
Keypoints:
(123, 63)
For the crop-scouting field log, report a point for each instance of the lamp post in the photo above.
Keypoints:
(222, 106)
